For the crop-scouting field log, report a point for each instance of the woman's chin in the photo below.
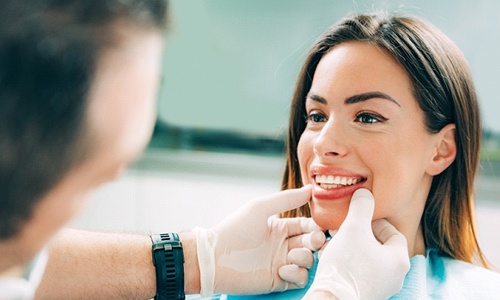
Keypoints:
(328, 219)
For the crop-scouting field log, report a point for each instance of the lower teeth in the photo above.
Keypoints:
(330, 186)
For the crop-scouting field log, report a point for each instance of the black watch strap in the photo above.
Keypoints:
(168, 258)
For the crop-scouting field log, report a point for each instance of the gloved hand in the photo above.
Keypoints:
(243, 253)
(359, 263)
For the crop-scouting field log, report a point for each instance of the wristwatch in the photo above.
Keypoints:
(168, 258)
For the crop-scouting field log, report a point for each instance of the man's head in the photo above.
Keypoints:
(77, 82)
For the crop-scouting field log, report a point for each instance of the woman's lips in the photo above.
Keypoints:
(332, 183)
(321, 193)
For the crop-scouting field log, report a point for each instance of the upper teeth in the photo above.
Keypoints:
(330, 179)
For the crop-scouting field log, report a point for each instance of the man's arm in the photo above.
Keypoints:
(91, 265)
(85, 265)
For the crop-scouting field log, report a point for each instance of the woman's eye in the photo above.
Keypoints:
(367, 118)
(316, 117)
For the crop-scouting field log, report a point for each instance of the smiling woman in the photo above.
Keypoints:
(391, 106)
(387, 103)
(362, 135)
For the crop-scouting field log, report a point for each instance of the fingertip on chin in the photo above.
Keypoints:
(318, 239)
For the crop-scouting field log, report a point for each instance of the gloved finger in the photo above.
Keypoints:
(333, 232)
(361, 209)
(296, 226)
(296, 276)
(320, 251)
(301, 257)
(282, 201)
(312, 241)
(387, 234)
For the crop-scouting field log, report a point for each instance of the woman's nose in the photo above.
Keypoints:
(331, 142)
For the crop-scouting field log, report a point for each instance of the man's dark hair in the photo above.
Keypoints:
(48, 55)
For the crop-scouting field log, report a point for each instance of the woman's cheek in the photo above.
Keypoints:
(304, 154)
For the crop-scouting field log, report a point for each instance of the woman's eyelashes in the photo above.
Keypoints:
(363, 117)
(369, 118)
(315, 117)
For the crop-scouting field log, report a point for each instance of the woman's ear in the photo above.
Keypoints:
(445, 151)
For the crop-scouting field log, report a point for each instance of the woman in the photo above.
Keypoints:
(387, 103)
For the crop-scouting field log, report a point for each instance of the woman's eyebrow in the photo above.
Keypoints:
(316, 98)
(355, 98)
(369, 95)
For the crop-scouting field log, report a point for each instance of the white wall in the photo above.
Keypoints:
(195, 189)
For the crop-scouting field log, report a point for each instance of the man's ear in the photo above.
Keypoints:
(445, 151)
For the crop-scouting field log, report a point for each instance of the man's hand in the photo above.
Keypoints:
(363, 260)
(244, 253)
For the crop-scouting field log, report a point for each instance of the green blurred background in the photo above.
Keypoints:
(231, 65)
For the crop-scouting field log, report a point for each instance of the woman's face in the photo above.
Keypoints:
(365, 129)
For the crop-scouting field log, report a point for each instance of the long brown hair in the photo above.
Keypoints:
(444, 90)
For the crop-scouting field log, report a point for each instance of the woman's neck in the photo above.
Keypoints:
(418, 246)
(414, 236)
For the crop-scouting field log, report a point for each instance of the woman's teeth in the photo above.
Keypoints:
(331, 182)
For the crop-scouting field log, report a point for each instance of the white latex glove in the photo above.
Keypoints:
(363, 260)
(243, 253)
